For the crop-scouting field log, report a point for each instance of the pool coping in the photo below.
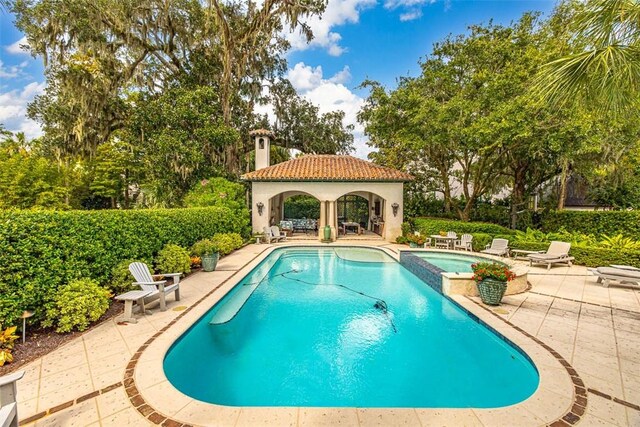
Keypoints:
(559, 400)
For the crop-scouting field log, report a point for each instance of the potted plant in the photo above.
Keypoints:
(415, 240)
(208, 252)
(491, 279)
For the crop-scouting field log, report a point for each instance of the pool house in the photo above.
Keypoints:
(356, 196)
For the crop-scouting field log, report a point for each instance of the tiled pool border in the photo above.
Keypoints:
(152, 353)
(424, 270)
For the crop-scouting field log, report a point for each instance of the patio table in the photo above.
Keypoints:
(351, 224)
(448, 240)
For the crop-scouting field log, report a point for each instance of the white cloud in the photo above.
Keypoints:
(12, 71)
(410, 16)
(331, 95)
(338, 12)
(395, 4)
(13, 109)
(410, 9)
(16, 48)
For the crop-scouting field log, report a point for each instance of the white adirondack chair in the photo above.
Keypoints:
(464, 243)
(158, 290)
(8, 403)
(279, 235)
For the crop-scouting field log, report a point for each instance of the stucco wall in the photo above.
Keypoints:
(391, 192)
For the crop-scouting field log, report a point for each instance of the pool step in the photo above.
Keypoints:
(232, 304)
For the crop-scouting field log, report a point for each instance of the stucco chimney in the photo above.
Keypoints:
(262, 138)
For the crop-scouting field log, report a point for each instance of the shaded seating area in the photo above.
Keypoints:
(302, 225)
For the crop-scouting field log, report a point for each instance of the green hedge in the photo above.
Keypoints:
(428, 226)
(589, 256)
(42, 250)
(610, 223)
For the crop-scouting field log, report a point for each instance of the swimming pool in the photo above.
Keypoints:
(450, 262)
(327, 327)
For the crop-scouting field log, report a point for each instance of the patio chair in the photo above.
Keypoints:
(464, 243)
(625, 275)
(498, 247)
(557, 253)
(268, 235)
(8, 401)
(275, 232)
(158, 290)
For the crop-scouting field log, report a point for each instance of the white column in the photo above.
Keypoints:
(323, 219)
(332, 219)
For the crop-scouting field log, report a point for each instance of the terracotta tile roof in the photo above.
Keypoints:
(326, 168)
(261, 132)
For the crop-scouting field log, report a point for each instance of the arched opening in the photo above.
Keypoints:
(296, 213)
(353, 209)
(360, 213)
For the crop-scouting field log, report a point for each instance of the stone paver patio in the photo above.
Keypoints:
(595, 329)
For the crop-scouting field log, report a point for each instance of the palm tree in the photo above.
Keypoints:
(606, 71)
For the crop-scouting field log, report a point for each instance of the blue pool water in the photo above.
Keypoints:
(326, 327)
(450, 262)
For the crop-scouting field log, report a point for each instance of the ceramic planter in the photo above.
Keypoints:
(491, 291)
(210, 261)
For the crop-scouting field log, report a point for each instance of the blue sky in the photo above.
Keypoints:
(355, 40)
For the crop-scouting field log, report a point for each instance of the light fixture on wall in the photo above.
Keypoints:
(260, 207)
(395, 207)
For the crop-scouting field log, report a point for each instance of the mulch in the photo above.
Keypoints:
(40, 342)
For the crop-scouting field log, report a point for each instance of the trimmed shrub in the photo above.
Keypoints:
(227, 242)
(76, 305)
(42, 250)
(589, 256)
(302, 206)
(204, 247)
(480, 241)
(610, 223)
(428, 226)
(173, 259)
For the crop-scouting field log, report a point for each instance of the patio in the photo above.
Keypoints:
(95, 379)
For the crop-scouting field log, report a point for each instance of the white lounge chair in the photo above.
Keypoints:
(557, 253)
(279, 235)
(8, 402)
(625, 275)
(464, 243)
(498, 247)
(157, 288)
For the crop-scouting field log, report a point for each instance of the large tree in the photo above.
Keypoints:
(470, 119)
(98, 51)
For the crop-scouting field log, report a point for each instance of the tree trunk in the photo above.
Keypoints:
(517, 197)
(564, 175)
